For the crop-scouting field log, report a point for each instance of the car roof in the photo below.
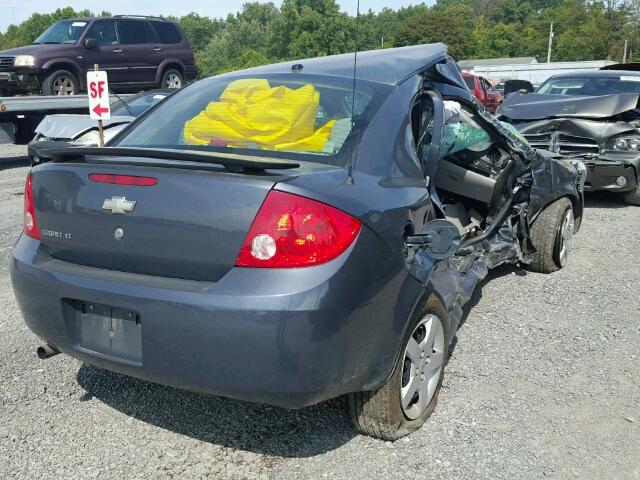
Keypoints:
(390, 66)
(597, 74)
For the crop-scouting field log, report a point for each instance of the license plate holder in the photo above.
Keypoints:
(110, 331)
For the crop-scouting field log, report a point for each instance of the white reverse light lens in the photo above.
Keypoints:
(28, 220)
(263, 247)
(24, 61)
(621, 181)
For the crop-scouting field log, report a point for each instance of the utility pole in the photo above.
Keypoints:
(550, 43)
(624, 55)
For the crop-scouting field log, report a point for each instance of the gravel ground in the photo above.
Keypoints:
(542, 382)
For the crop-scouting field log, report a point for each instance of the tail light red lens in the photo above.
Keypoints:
(123, 179)
(293, 231)
(30, 222)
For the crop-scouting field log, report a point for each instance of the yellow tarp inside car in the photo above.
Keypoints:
(251, 113)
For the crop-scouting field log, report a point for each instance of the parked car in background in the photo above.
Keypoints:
(483, 91)
(289, 259)
(591, 115)
(63, 130)
(136, 52)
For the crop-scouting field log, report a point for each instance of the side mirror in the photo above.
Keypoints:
(440, 239)
(520, 86)
(90, 43)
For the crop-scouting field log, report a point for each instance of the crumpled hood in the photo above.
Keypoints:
(535, 106)
(68, 126)
(598, 130)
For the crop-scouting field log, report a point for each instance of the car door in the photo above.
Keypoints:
(141, 51)
(106, 52)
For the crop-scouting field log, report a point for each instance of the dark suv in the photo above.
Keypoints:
(137, 52)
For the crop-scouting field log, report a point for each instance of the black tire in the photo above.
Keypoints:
(172, 78)
(60, 82)
(379, 413)
(547, 237)
(633, 197)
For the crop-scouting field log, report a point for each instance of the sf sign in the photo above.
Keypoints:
(98, 88)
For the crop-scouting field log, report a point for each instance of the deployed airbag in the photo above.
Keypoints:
(251, 113)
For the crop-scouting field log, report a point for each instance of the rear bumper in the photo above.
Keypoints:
(289, 339)
(604, 174)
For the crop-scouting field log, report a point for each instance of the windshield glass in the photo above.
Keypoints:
(136, 105)
(68, 31)
(312, 118)
(591, 86)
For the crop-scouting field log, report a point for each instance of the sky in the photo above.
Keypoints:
(16, 11)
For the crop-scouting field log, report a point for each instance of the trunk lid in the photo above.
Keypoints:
(190, 225)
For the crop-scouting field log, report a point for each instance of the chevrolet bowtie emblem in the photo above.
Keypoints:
(119, 205)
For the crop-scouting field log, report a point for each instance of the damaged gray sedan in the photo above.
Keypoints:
(331, 257)
(592, 116)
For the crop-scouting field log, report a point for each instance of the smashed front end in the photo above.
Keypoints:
(603, 132)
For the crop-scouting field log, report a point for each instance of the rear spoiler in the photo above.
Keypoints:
(231, 161)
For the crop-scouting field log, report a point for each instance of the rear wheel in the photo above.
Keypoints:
(172, 79)
(60, 82)
(551, 234)
(633, 197)
(407, 400)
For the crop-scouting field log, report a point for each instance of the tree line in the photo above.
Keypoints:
(263, 32)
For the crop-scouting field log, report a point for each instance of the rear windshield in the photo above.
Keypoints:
(68, 31)
(132, 107)
(303, 117)
(591, 86)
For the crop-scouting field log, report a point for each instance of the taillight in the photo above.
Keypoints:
(293, 231)
(30, 222)
(123, 179)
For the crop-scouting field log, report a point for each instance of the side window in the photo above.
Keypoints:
(104, 32)
(462, 132)
(167, 32)
(133, 32)
(487, 85)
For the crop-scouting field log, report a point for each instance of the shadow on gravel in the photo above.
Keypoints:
(501, 271)
(231, 423)
(13, 162)
(604, 200)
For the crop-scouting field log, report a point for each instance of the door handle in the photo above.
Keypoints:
(157, 49)
(117, 50)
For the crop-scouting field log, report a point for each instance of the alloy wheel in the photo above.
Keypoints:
(422, 363)
(565, 233)
(173, 81)
(64, 85)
